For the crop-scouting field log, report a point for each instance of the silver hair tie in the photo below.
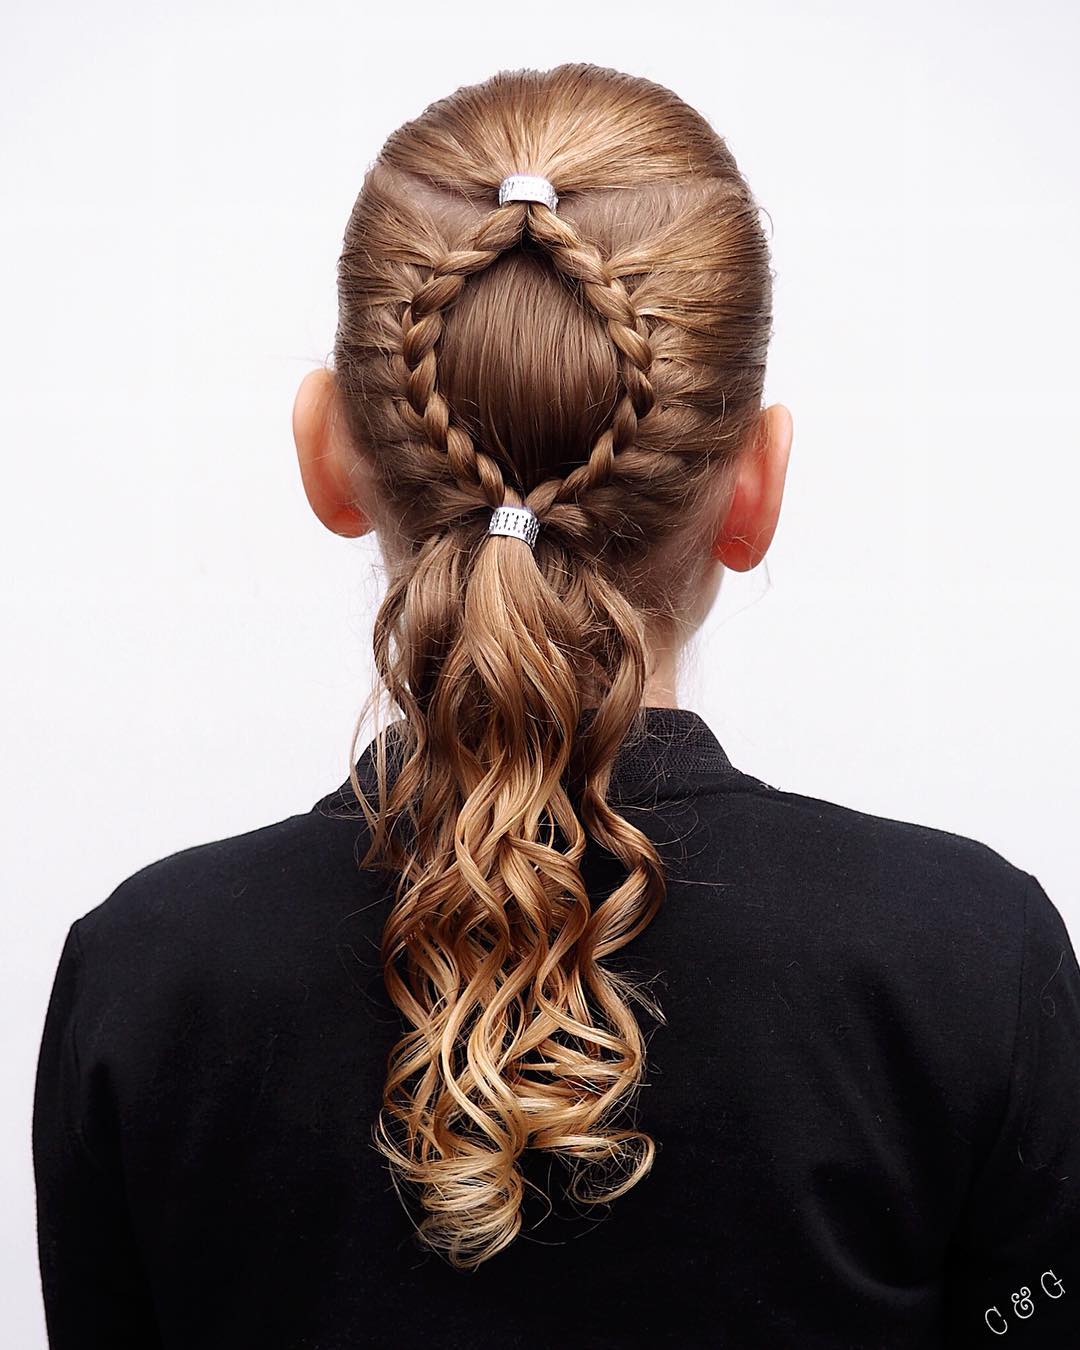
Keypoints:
(526, 187)
(519, 522)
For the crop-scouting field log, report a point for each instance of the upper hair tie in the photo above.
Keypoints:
(519, 522)
(527, 187)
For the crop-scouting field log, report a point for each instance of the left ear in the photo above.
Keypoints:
(329, 466)
(744, 535)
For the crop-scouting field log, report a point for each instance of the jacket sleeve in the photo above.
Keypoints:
(1015, 1265)
(94, 1290)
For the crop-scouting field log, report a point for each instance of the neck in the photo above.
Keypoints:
(661, 684)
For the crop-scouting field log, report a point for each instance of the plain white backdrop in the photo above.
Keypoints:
(186, 649)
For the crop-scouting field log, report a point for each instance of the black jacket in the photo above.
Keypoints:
(866, 1099)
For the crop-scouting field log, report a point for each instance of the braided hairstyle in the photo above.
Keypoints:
(602, 365)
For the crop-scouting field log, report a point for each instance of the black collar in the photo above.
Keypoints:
(665, 751)
(668, 745)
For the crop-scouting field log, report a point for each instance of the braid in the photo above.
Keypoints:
(427, 412)
(582, 262)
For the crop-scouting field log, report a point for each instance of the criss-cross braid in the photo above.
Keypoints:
(427, 411)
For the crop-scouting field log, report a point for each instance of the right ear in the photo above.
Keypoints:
(335, 482)
(743, 537)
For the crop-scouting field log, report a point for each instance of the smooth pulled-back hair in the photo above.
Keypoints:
(602, 364)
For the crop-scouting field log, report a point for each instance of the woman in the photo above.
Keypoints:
(604, 1042)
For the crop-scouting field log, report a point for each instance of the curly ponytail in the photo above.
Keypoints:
(603, 366)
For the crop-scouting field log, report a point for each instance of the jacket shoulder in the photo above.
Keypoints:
(202, 896)
(871, 848)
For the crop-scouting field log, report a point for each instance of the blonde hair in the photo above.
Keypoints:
(602, 364)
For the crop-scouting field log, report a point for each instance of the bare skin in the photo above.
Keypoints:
(342, 495)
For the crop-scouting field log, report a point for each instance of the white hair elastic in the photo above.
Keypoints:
(519, 522)
(526, 187)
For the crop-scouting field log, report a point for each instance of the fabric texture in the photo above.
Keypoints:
(865, 1097)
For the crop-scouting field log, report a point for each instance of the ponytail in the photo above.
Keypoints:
(519, 1036)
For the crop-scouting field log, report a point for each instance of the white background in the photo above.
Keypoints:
(186, 647)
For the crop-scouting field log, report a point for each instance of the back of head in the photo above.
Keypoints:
(601, 363)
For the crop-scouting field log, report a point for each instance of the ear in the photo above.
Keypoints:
(335, 481)
(744, 534)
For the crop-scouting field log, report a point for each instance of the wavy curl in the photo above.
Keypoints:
(604, 366)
